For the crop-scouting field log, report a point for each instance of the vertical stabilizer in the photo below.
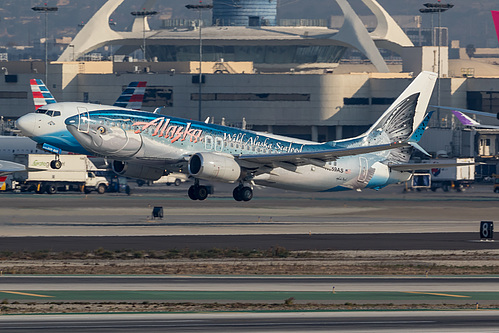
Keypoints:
(401, 119)
(133, 96)
(41, 95)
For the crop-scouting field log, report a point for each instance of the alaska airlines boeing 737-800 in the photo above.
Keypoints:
(144, 145)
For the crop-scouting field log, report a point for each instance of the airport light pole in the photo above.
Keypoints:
(437, 8)
(45, 9)
(200, 9)
(144, 14)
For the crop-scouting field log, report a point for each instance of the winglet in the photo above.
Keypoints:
(132, 96)
(418, 133)
(41, 94)
(464, 119)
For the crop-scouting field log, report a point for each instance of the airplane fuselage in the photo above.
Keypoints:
(161, 140)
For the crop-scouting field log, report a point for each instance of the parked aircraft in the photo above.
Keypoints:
(467, 121)
(46, 126)
(143, 145)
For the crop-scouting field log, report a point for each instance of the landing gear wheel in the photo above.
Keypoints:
(246, 193)
(56, 164)
(192, 193)
(236, 194)
(202, 192)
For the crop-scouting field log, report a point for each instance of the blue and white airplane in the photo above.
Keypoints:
(144, 145)
(47, 125)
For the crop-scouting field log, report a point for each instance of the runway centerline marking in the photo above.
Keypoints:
(435, 294)
(25, 294)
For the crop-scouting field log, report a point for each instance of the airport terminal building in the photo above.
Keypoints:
(288, 80)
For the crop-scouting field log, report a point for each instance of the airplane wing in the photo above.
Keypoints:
(467, 121)
(133, 96)
(7, 167)
(320, 157)
(480, 113)
(316, 157)
(426, 166)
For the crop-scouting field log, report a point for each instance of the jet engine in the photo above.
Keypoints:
(135, 170)
(216, 167)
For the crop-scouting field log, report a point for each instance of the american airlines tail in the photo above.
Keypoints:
(402, 118)
(41, 95)
(133, 96)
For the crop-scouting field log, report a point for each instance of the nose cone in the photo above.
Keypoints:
(26, 124)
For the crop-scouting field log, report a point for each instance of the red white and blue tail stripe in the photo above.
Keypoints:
(132, 96)
(41, 94)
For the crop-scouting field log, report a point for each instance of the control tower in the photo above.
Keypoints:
(252, 13)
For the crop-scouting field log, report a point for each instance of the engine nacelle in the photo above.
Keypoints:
(135, 170)
(216, 167)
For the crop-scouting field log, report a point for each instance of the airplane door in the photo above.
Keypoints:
(363, 169)
(83, 119)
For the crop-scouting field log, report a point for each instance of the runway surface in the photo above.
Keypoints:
(388, 219)
(428, 321)
(315, 289)
(420, 241)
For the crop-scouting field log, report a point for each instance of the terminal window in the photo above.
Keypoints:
(263, 97)
(13, 95)
(157, 96)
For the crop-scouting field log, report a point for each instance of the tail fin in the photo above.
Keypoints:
(41, 94)
(464, 119)
(495, 18)
(402, 118)
(132, 96)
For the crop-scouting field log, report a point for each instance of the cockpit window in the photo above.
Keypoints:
(50, 113)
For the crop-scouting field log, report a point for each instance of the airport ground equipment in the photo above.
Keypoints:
(175, 178)
(76, 174)
(457, 177)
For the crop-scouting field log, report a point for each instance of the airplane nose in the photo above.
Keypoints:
(26, 124)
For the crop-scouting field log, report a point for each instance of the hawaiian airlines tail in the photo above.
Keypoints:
(41, 95)
(495, 18)
(132, 96)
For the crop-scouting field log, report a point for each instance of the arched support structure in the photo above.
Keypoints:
(353, 33)
(97, 32)
(388, 34)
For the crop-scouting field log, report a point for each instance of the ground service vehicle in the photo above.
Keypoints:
(76, 174)
(455, 177)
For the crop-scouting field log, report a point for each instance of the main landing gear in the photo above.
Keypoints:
(200, 192)
(242, 193)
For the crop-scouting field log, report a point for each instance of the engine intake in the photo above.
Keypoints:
(216, 167)
(134, 170)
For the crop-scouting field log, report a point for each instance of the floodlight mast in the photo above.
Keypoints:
(144, 14)
(200, 9)
(45, 9)
(437, 8)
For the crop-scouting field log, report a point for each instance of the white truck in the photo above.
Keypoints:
(449, 177)
(76, 174)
